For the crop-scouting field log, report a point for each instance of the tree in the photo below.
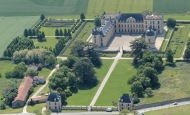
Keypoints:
(138, 46)
(152, 74)
(124, 111)
(65, 32)
(169, 55)
(39, 37)
(132, 79)
(136, 100)
(97, 22)
(57, 32)
(42, 17)
(33, 32)
(69, 32)
(31, 90)
(37, 112)
(149, 92)
(187, 53)
(43, 35)
(171, 22)
(78, 49)
(2, 107)
(30, 32)
(26, 33)
(31, 72)
(47, 112)
(72, 81)
(84, 70)
(69, 62)
(61, 32)
(82, 16)
(50, 60)
(0, 75)
(137, 88)
(135, 112)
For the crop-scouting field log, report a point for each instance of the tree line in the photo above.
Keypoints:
(60, 33)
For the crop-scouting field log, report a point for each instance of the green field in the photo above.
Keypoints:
(37, 7)
(12, 27)
(50, 31)
(168, 33)
(11, 110)
(50, 42)
(85, 95)
(117, 83)
(39, 107)
(163, 46)
(174, 84)
(171, 6)
(83, 35)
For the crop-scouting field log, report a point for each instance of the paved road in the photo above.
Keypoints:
(40, 89)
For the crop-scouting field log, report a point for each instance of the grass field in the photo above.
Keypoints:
(12, 27)
(50, 42)
(168, 33)
(163, 46)
(171, 6)
(83, 35)
(10, 110)
(174, 84)
(117, 83)
(179, 110)
(50, 31)
(128, 55)
(37, 7)
(85, 95)
(181, 31)
(39, 107)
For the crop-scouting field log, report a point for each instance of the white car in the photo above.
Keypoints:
(175, 103)
(109, 110)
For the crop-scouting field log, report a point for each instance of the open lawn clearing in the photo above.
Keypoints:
(71, 17)
(83, 35)
(128, 55)
(36, 7)
(171, 6)
(174, 84)
(12, 27)
(178, 110)
(181, 33)
(168, 33)
(177, 17)
(11, 110)
(163, 46)
(97, 7)
(39, 107)
(50, 42)
(85, 95)
(50, 31)
(117, 83)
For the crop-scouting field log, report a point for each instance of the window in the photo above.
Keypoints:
(145, 22)
(158, 22)
(49, 103)
(55, 107)
(158, 26)
(153, 22)
(136, 26)
(140, 30)
(128, 30)
(153, 26)
(125, 30)
(136, 30)
(115, 30)
(122, 26)
(55, 103)
(125, 25)
(119, 25)
(119, 30)
(142, 26)
(158, 31)
(149, 40)
(128, 25)
(133, 26)
(150, 22)
(94, 36)
(122, 105)
(49, 107)
(115, 22)
(122, 30)
(139, 26)
(101, 39)
(146, 26)
(115, 26)
(94, 40)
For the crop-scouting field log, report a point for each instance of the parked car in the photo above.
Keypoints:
(175, 103)
(109, 110)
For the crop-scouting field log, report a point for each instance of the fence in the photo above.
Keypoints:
(160, 103)
(103, 108)
(169, 39)
(74, 107)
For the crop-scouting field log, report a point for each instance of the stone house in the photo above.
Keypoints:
(53, 102)
(39, 99)
(125, 102)
(39, 79)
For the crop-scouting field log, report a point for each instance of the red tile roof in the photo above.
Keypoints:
(24, 88)
(38, 98)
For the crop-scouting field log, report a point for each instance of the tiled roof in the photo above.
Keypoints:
(24, 88)
(38, 98)
(53, 97)
(125, 98)
(106, 28)
(149, 32)
(95, 31)
(136, 16)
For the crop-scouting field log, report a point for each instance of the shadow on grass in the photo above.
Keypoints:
(156, 86)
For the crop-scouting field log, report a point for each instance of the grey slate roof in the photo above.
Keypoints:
(125, 98)
(149, 32)
(33, 67)
(95, 31)
(136, 16)
(106, 28)
(53, 96)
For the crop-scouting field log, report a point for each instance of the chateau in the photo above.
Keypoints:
(128, 23)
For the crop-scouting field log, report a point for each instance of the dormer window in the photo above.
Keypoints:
(94, 36)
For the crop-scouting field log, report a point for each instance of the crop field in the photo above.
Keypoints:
(37, 7)
(174, 84)
(117, 83)
(12, 27)
(97, 7)
(179, 39)
(171, 6)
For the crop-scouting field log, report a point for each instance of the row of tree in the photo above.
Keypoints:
(187, 50)
(30, 32)
(60, 33)
(41, 36)
(60, 45)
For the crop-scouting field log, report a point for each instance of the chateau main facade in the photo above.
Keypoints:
(149, 25)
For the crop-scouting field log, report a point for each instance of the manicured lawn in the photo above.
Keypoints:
(50, 42)
(128, 55)
(71, 17)
(10, 110)
(163, 46)
(168, 34)
(83, 35)
(108, 54)
(177, 17)
(45, 90)
(174, 84)
(39, 107)
(85, 95)
(117, 83)
(50, 31)
(179, 110)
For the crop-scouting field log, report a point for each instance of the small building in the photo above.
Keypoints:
(150, 37)
(53, 102)
(39, 79)
(23, 90)
(125, 102)
(35, 68)
(39, 99)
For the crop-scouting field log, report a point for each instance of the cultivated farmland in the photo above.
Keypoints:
(12, 27)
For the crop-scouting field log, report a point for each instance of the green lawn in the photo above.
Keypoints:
(117, 83)
(45, 90)
(179, 46)
(10, 110)
(163, 46)
(128, 55)
(85, 95)
(83, 35)
(177, 17)
(108, 54)
(174, 84)
(50, 31)
(39, 107)
(50, 42)
(168, 33)
(12, 27)
(178, 110)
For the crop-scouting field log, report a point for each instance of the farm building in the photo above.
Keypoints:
(39, 99)
(39, 79)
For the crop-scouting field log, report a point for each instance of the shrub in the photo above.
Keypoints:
(136, 100)
(149, 92)
(0, 75)
(68, 93)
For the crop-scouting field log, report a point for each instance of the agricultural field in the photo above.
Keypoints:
(117, 83)
(50, 42)
(171, 6)
(174, 84)
(179, 39)
(85, 95)
(83, 35)
(12, 27)
(37, 7)
(178, 110)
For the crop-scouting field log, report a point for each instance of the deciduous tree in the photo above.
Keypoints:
(137, 88)
(171, 22)
(169, 55)
(82, 16)
(97, 22)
